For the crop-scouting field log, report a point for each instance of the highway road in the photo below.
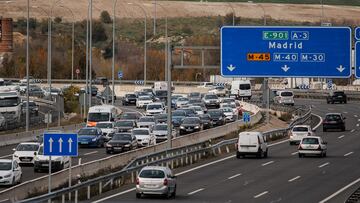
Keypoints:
(283, 177)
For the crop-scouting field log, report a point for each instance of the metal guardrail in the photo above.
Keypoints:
(174, 157)
(354, 197)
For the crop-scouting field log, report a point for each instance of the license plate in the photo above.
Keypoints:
(45, 164)
(150, 186)
(118, 148)
(84, 143)
(340, 96)
(26, 160)
(188, 130)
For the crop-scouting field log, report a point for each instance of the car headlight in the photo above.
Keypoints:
(58, 159)
(182, 127)
(197, 127)
(207, 101)
(36, 158)
(127, 145)
(8, 175)
(220, 118)
(94, 139)
(108, 145)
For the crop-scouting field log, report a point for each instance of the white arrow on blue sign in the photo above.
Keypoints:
(120, 74)
(246, 117)
(61, 144)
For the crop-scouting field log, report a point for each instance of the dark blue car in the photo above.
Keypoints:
(90, 137)
(177, 117)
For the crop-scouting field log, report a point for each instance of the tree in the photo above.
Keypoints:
(105, 17)
(99, 33)
(229, 19)
(57, 19)
(219, 21)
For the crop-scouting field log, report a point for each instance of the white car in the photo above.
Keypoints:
(10, 172)
(228, 101)
(144, 137)
(219, 91)
(25, 152)
(180, 102)
(2, 120)
(251, 143)
(284, 97)
(198, 110)
(143, 101)
(154, 108)
(298, 132)
(233, 106)
(312, 145)
(206, 85)
(107, 128)
(58, 163)
(53, 92)
(230, 115)
(146, 122)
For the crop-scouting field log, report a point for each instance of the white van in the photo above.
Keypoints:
(251, 143)
(284, 97)
(101, 113)
(241, 89)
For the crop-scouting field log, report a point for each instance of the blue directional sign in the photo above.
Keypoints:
(286, 52)
(120, 74)
(60, 144)
(357, 59)
(246, 117)
(357, 33)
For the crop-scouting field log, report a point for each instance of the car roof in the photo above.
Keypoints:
(109, 122)
(29, 143)
(307, 126)
(333, 114)
(141, 129)
(6, 160)
(315, 137)
(89, 128)
(156, 168)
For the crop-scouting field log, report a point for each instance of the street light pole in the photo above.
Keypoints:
(322, 11)
(27, 64)
(233, 13)
(264, 13)
(113, 53)
(90, 52)
(166, 41)
(155, 17)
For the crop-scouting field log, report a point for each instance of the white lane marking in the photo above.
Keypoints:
(234, 176)
(321, 120)
(79, 163)
(294, 153)
(345, 112)
(4, 200)
(359, 119)
(196, 191)
(340, 191)
(9, 155)
(325, 164)
(94, 152)
(357, 125)
(347, 154)
(267, 163)
(342, 136)
(261, 194)
(331, 109)
(277, 143)
(117, 194)
(353, 130)
(355, 116)
(295, 178)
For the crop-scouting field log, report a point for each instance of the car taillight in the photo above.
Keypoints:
(137, 181)
(165, 182)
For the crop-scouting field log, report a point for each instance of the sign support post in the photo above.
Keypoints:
(49, 201)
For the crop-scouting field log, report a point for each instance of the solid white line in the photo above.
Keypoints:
(357, 125)
(4, 200)
(292, 179)
(347, 154)
(355, 116)
(196, 191)
(267, 163)
(234, 176)
(261, 194)
(114, 195)
(353, 130)
(294, 153)
(321, 120)
(5, 157)
(345, 112)
(340, 191)
(325, 164)
(94, 152)
(342, 136)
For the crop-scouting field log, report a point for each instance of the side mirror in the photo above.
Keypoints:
(35, 153)
(85, 119)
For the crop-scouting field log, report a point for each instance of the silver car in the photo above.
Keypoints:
(156, 180)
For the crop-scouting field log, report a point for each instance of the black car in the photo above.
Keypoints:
(121, 142)
(190, 112)
(177, 117)
(36, 91)
(334, 121)
(33, 108)
(190, 125)
(338, 96)
(124, 125)
(194, 95)
(161, 95)
(129, 99)
(134, 116)
(161, 118)
(205, 121)
(217, 117)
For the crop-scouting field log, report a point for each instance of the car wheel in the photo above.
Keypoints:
(259, 154)
(343, 129)
(174, 193)
(238, 155)
(324, 155)
(13, 182)
(324, 129)
(266, 154)
(301, 155)
(138, 195)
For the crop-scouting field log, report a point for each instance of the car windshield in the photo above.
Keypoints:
(160, 93)
(333, 117)
(300, 129)
(226, 110)
(123, 123)
(140, 132)
(131, 96)
(211, 96)
(129, 116)
(146, 119)
(96, 117)
(244, 86)
(160, 127)
(287, 94)
(152, 174)
(228, 100)
(8, 102)
(338, 93)
(194, 94)
(215, 113)
(125, 137)
(104, 125)
(310, 141)
(191, 121)
(179, 113)
(153, 107)
(27, 147)
(87, 132)
(181, 99)
(205, 117)
(5, 166)
(144, 98)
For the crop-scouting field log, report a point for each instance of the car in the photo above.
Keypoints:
(336, 96)
(129, 99)
(312, 145)
(94, 90)
(154, 109)
(194, 101)
(90, 137)
(156, 180)
(144, 137)
(107, 129)
(206, 85)
(161, 118)
(198, 110)
(121, 142)
(190, 112)
(54, 91)
(177, 117)
(230, 116)
(334, 121)
(217, 117)
(251, 143)
(173, 100)
(232, 106)
(35, 91)
(228, 101)
(124, 126)
(211, 101)
(24, 152)
(101, 81)
(160, 95)
(33, 108)
(219, 91)
(160, 131)
(298, 132)
(194, 95)
(133, 116)
(10, 172)
(106, 95)
(205, 121)
(190, 125)
(180, 102)
(146, 122)
(41, 162)
(284, 97)
(143, 101)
